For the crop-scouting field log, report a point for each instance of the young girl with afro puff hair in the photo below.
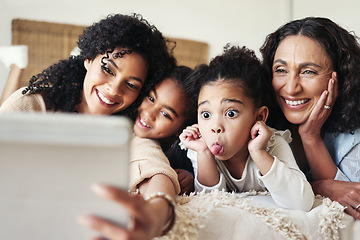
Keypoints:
(231, 146)
(121, 58)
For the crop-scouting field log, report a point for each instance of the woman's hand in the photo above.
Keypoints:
(346, 193)
(143, 223)
(310, 130)
(186, 180)
(317, 155)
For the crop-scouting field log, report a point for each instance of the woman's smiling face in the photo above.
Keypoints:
(112, 84)
(301, 72)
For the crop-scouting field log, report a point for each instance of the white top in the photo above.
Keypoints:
(285, 181)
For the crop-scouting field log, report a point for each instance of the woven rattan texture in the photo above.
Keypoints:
(50, 42)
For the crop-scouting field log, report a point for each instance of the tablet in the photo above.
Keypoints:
(47, 165)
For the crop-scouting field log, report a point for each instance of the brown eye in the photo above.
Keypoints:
(231, 113)
(132, 86)
(151, 98)
(205, 115)
(165, 114)
(309, 72)
(107, 70)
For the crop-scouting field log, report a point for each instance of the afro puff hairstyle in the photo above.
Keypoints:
(238, 65)
(61, 84)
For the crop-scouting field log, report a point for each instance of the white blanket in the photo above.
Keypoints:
(253, 215)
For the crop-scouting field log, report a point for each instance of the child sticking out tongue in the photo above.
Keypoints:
(217, 149)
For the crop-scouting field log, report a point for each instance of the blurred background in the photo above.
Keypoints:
(215, 22)
(46, 31)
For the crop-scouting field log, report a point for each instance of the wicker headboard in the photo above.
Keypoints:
(50, 42)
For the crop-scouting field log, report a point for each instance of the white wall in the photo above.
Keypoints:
(217, 22)
(346, 13)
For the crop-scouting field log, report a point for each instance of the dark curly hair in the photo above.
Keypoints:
(181, 75)
(61, 84)
(344, 51)
(238, 65)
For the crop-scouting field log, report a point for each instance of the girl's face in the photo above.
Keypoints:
(162, 113)
(225, 117)
(112, 87)
(301, 72)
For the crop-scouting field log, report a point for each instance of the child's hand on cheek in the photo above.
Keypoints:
(191, 138)
(259, 137)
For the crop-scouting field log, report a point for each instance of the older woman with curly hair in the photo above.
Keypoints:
(121, 58)
(313, 65)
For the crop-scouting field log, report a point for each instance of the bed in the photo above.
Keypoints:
(215, 215)
(254, 215)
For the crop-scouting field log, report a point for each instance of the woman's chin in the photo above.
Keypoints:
(297, 118)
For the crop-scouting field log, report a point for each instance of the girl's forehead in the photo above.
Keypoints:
(225, 86)
(217, 91)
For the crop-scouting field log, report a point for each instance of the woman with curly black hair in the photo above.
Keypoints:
(121, 58)
(313, 65)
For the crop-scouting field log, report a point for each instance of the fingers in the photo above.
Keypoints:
(352, 212)
(105, 227)
(345, 193)
(184, 175)
(112, 193)
(328, 97)
(351, 199)
(134, 203)
(259, 128)
(320, 106)
(140, 211)
(353, 204)
(332, 91)
(181, 174)
(254, 130)
(192, 131)
(186, 180)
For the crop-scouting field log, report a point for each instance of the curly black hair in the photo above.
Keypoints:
(181, 75)
(239, 65)
(61, 84)
(344, 51)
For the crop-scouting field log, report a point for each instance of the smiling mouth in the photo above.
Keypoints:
(296, 103)
(143, 123)
(104, 99)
